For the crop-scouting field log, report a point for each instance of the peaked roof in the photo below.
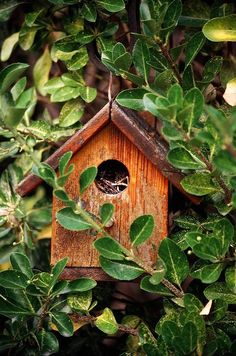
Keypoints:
(134, 127)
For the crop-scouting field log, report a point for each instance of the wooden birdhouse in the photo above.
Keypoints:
(132, 171)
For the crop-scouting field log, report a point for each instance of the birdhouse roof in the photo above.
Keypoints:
(134, 127)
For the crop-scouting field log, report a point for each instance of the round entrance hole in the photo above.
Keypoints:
(112, 177)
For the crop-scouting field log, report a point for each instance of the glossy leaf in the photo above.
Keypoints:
(141, 229)
(41, 71)
(221, 29)
(206, 272)
(132, 98)
(220, 290)
(182, 158)
(80, 301)
(106, 212)
(151, 288)
(230, 278)
(87, 178)
(10, 74)
(80, 285)
(111, 5)
(71, 112)
(63, 323)
(21, 263)
(122, 270)
(89, 12)
(110, 248)
(106, 322)
(68, 219)
(199, 184)
(159, 273)
(175, 261)
(48, 342)
(141, 59)
(13, 279)
(8, 46)
(193, 47)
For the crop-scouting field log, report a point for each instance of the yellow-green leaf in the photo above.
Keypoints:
(221, 29)
(41, 71)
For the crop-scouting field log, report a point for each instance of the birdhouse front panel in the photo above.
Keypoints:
(127, 179)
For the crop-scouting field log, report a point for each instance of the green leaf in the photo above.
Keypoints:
(66, 93)
(199, 184)
(10, 74)
(111, 5)
(18, 88)
(58, 269)
(6, 8)
(13, 279)
(121, 270)
(80, 301)
(182, 158)
(63, 323)
(8, 46)
(221, 29)
(175, 261)
(132, 98)
(27, 36)
(79, 60)
(149, 103)
(110, 248)
(220, 290)
(80, 285)
(68, 219)
(151, 288)
(230, 278)
(21, 263)
(63, 162)
(47, 173)
(175, 95)
(31, 17)
(106, 212)
(141, 58)
(206, 272)
(194, 98)
(193, 47)
(87, 178)
(187, 341)
(88, 94)
(106, 322)
(71, 112)
(48, 342)
(141, 229)
(159, 273)
(40, 128)
(225, 162)
(169, 332)
(89, 12)
(11, 310)
(41, 71)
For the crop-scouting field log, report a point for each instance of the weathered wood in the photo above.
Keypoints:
(73, 144)
(152, 146)
(71, 273)
(147, 193)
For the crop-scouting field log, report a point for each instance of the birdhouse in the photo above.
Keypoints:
(133, 175)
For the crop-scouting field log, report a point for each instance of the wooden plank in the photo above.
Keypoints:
(71, 273)
(73, 144)
(147, 193)
(152, 146)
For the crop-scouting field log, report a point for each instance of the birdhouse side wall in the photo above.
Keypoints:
(147, 193)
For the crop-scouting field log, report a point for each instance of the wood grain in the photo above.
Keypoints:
(147, 193)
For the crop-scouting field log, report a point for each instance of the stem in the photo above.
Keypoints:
(87, 217)
(165, 51)
(178, 293)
